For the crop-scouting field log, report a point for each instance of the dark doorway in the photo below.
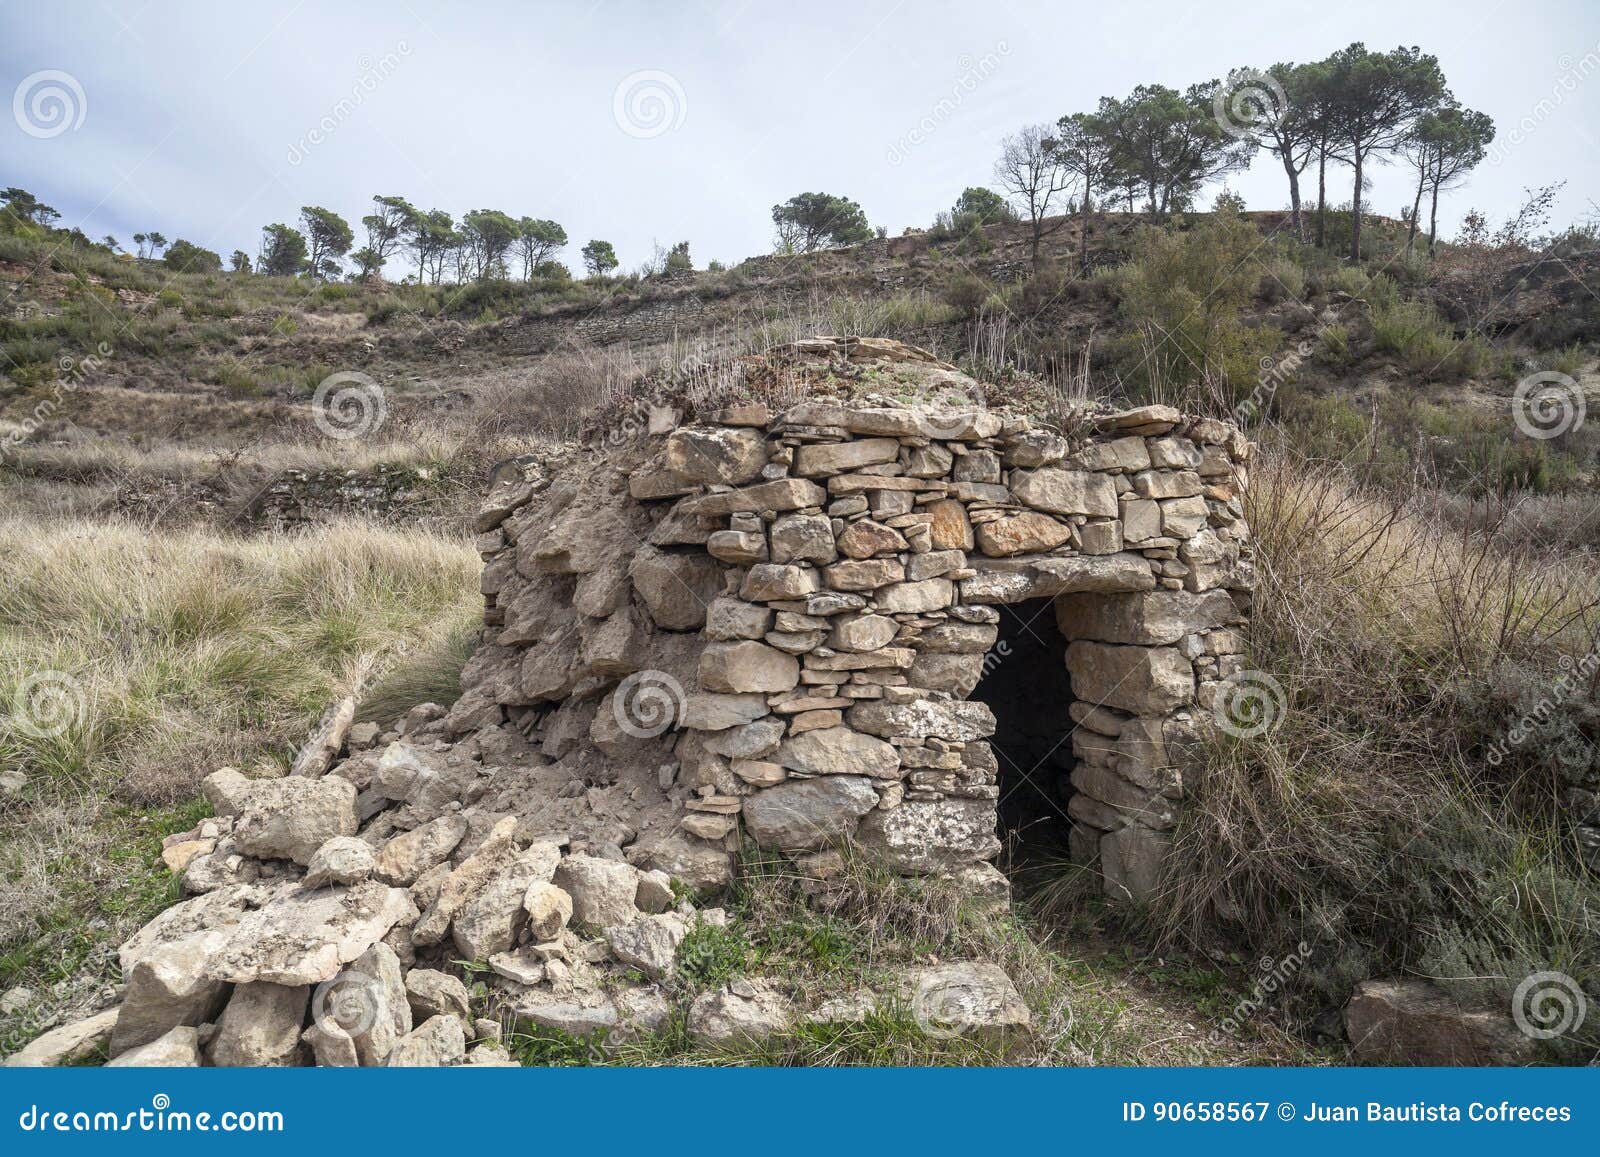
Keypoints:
(1027, 687)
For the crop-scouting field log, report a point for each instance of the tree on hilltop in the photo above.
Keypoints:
(538, 241)
(329, 238)
(599, 258)
(810, 221)
(1031, 171)
(283, 251)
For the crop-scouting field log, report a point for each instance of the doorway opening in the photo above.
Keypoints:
(1027, 687)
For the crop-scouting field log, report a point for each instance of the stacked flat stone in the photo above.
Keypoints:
(840, 564)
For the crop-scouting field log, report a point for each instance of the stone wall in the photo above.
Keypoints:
(785, 612)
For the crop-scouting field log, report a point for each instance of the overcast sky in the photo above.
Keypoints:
(658, 122)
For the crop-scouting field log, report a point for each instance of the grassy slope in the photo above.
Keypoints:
(177, 654)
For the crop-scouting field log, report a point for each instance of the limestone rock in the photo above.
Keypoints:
(925, 718)
(863, 539)
(654, 894)
(1058, 491)
(170, 985)
(341, 860)
(917, 598)
(771, 581)
(746, 1012)
(437, 1042)
(1133, 860)
(1149, 618)
(802, 538)
(489, 921)
(973, 999)
(1025, 533)
(327, 738)
(548, 908)
(649, 944)
(735, 619)
(304, 936)
(747, 666)
(782, 494)
(675, 588)
(865, 574)
(717, 454)
(713, 712)
(1141, 680)
(927, 836)
(839, 751)
(862, 633)
(801, 814)
(430, 993)
(602, 891)
(289, 819)
(66, 1045)
(407, 856)
(178, 1049)
(261, 1026)
(950, 529)
(821, 459)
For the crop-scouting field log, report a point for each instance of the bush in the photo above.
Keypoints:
(1367, 823)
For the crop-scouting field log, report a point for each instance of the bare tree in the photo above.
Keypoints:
(1033, 172)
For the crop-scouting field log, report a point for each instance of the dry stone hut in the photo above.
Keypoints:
(896, 619)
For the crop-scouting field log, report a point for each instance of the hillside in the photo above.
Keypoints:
(189, 509)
